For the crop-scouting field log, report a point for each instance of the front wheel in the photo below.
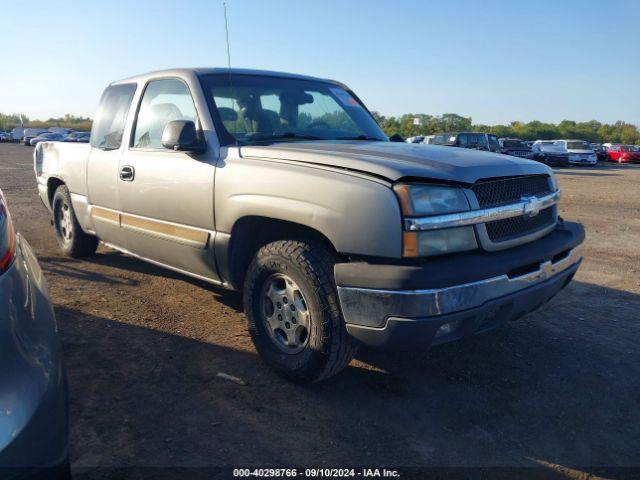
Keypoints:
(293, 311)
(73, 241)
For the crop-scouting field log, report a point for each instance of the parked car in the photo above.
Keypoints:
(31, 133)
(5, 137)
(47, 137)
(61, 130)
(580, 152)
(601, 152)
(624, 154)
(284, 187)
(16, 134)
(515, 147)
(475, 140)
(550, 153)
(33, 403)
(77, 137)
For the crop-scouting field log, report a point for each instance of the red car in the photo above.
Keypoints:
(623, 154)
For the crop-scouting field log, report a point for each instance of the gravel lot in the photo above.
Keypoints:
(559, 388)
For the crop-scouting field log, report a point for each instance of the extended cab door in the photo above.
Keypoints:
(167, 196)
(104, 160)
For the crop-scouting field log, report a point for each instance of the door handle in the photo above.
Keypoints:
(127, 173)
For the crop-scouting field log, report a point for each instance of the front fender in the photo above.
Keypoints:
(360, 216)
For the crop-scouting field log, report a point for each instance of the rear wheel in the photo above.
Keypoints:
(293, 311)
(73, 241)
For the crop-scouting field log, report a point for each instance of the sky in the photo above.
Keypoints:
(495, 61)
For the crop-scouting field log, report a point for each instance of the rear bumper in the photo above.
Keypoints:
(33, 390)
(446, 299)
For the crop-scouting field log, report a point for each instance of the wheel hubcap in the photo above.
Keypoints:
(285, 313)
(65, 224)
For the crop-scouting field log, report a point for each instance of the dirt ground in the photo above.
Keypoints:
(558, 388)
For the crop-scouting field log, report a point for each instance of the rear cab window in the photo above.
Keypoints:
(108, 127)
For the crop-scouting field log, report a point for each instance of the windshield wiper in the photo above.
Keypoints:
(288, 135)
(360, 137)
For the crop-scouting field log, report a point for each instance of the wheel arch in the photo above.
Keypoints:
(235, 252)
(52, 185)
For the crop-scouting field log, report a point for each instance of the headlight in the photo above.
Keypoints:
(423, 200)
(419, 200)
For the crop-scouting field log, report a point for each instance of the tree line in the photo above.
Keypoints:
(407, 126)
(591, 131)
(8, 122)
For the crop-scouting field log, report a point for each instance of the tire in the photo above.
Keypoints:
(277, 270)
(73, 241)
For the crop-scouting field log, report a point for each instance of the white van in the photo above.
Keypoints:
(17, 134)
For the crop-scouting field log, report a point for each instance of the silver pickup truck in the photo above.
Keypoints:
(284, 187)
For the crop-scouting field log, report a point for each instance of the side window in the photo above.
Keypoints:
(473, 140)
(462, 140)
(163, 101)
(108, 126)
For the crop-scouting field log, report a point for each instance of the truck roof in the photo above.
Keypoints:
(186, 72)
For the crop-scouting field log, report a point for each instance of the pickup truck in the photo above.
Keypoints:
(285, 188)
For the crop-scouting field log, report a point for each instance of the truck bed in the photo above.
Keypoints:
(52, 159)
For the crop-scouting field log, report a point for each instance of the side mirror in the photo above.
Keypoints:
(181, 135)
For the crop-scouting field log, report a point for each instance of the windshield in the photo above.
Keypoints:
(578, 146)
(258, 109)
(443, 138)
(513, 144)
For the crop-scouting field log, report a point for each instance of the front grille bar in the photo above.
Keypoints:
(528, 206)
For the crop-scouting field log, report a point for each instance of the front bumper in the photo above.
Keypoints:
(448, 298)
(551, 159)
(33, 390)
(583, 161)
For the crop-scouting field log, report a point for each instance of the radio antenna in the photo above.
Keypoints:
(226, 29)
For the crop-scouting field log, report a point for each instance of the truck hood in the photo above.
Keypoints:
(396, 160)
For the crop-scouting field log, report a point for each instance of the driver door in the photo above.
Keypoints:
(167, 196)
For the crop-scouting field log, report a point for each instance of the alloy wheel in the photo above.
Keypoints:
(285, 313)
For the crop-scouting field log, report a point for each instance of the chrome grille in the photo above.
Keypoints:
(511, 228)
(504, 191)
(519, 153)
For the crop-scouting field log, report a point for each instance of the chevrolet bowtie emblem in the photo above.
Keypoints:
(532, 206)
